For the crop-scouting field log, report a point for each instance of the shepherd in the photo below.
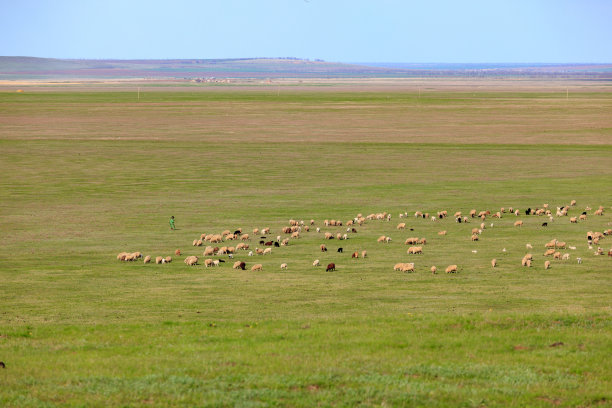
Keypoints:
(172, 223)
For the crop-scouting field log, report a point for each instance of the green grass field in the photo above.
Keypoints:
(86, 175)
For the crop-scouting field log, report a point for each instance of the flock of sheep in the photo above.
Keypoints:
(221, 244)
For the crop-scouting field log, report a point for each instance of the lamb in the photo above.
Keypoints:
(451, 269)
(257, 267)
(158, 260)
(216, 262)
(579, 260)
(547, 265)
(330, 267)
(339, 236)
(323, 248)
(147, 259)
(493, 262)
(318, 229)
(316, 262)
(250, 253)
(422, 241)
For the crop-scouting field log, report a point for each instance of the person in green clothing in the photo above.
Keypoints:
(172, 222)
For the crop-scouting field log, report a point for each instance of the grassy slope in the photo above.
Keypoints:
(76, 327)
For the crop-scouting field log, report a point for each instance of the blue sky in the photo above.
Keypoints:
(333, 30)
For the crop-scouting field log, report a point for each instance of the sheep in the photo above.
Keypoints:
(122, 256)
(528, 263)
(451, 269)
(316, 262)
(158, 259)
(283, 266)
(191, 260)
(415, 250)
(482, 225)
(565, 257)
(528, 246)
(168, 259)
(339, 236)
(559, 244)
(599, 212)
(318, 229)
(323, 248)
(147, 259)
(433, 269)
(549, 252)
(208, 251)
(295, 235)
(236, 265)
(407, 267)
(401, 226)
(216, 262)
(330, 267)
(551, 244)
(573, 220)
(381, 239)
(345, 236)
(518, 223)
(422, 241)
(265, 231)
(285, 242)
(442, 232)
(259, 251)
(177, 252)
(267, 251)
(250, 253)
(398, 266)
(516, 213)
(475, 230)
(572, 248)
(547, 265)
(195, 242)
(329, 235)
(557, 255)
(355, 255)
(582, 217)
(579, 260)
(493, 262)
(474, 237)
(411, 241)
(230, 237)
(364, 253)
(257, 267)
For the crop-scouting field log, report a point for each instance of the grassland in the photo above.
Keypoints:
(86, 175)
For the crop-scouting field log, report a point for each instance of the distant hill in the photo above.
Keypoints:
(49, 68)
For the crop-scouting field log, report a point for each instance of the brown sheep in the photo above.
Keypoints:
(208, 251)
(195, 242)
(295, 235)
(122, 256)
(330, 267)
(177, 252)
(560, 244)
(422, 241)
(265, 231)
(257, 267)
(355, 255)
(285, 242)
(407, 267)
(451, 269)
(411, 241)
(191, 260)
(528, 263)
(259, 251)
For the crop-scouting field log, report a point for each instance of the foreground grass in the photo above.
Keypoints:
(78, 328)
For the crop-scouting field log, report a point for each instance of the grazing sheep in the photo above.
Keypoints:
(401, 226)
(265, 231)
(364, 253)
(549, 252)
(528, 246)
(545, 224)
(257, 267)
(573, 220)
(195, 242)
(493, 262)
(338, 236)
(518, 223)
(398, 266)
(177, 252)
(318, 229)
(269, 243)
(323, 248)
(283, 266)
(237, 265)
(582, 217)
(482, 225)
(599, 212)
(451, 269)
(355, 255)
(411, 241)
(565, 257)
(557, 255)
(122, 256)
(191, 260)
(381, 238)
(316, 262)
(168, 259)
(158, 259)
(560, 244)
(285, 242)
(528, 263)
(547, 265)
(330, 267)
(329, 235)
(475, 230)
(259, 251)
(407, 267)
(244, 237)
(209, 251)
(250, 253)
(433, 269)
(267, 251)
(475, 237)
(422, 241)
(415, 250)
(147, 259)
(442, 232)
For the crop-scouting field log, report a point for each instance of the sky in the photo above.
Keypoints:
(518, 31)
